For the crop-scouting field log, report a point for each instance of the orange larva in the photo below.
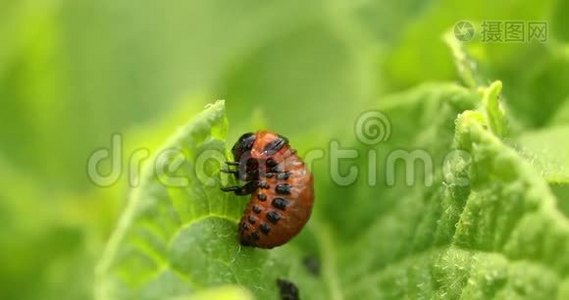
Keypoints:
(280, 185)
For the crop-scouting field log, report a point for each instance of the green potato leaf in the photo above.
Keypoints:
(547, 150)
(486, 226)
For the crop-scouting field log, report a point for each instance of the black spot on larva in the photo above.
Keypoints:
(273, 216)
(255, 235)
(271, 162)
(269, 175)
(264, 185)
(243, 226)
(283, 176)
(261, 196)
(283, 189)
(279, 203)
(257, 209)
(288, 290)
(251, 219)
(312, 264)
(265, 228)
(246, 241)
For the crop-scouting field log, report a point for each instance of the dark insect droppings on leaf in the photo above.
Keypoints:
(312, 264)
(288, 290)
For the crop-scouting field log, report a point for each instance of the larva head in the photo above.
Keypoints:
(243, 146)
(248, 166)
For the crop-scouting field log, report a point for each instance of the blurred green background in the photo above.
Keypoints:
(72, 73)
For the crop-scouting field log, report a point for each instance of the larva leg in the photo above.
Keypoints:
(229, 171)
(246, 189)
